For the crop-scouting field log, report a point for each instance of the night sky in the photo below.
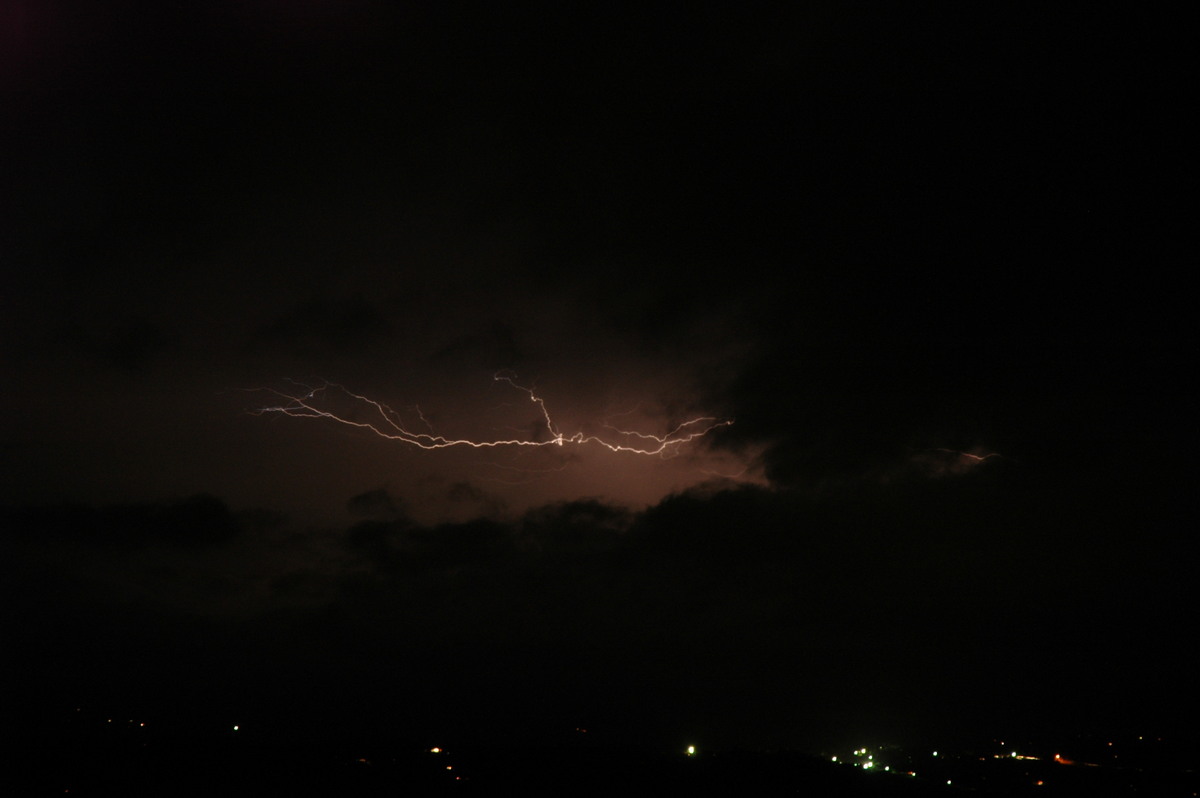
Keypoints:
(929, 265)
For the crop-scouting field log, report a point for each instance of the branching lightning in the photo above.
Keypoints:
(978, 458)
(383, 421)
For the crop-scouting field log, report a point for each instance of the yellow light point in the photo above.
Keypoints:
(235, 728)
(691, 750)
(435, 750)
(389, 426)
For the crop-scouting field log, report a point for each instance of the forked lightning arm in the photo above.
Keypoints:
(389, 425)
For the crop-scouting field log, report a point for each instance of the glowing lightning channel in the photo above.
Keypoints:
(976, 457)
(390, 426)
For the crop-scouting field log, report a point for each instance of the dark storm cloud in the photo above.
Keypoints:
(492, 346)
(196, 522)
(737, 612)
(328, 325)
(480, 502)
(376, 504)
(132, 344)
(304, 587)
(930, 244)
(540, 45)
(583, 525)
(937, 594)
(400, 546)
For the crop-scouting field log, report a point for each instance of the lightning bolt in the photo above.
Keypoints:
(312, 402)
(975, 457)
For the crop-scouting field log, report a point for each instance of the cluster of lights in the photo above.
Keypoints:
(866, 760)
(869, 763)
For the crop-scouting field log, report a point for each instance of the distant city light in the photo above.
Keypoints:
(235, 728)
(691, 750)
(435, 750)
(935, 753)
(835, 759)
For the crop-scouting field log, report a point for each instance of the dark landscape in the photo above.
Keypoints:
(90, 755)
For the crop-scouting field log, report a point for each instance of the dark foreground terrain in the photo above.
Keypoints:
(132, 763)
